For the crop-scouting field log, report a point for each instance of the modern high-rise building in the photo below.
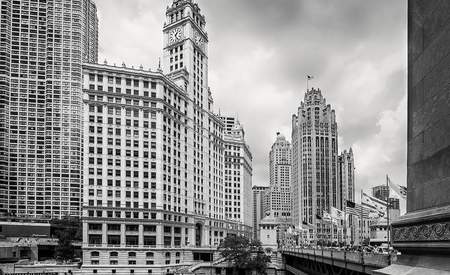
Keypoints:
(381, 192)
(258, 208)
(278, 198)
(347, 176)
(43, 45)
(315, 185)
(237, 176)
(164, 182)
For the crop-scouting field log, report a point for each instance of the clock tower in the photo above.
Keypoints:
(185, 61)
(185, 57)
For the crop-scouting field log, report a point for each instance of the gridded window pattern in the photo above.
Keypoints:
(40, 170)
(315, 165)
(237, 174)
(154, 151)
(278, 198)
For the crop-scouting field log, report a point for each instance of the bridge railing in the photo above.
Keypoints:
(363, 258)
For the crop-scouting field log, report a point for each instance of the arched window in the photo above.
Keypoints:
(149, 254)
(167, 254)
(113, 254)
(131, 254)
(95, 254)
(177, 254)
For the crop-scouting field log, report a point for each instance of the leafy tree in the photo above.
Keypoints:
(65, 250)
(66, 230)
(244, 254)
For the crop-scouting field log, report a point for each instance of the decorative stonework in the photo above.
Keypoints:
(423, 232)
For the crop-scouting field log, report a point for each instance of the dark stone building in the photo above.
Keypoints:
(423, 234)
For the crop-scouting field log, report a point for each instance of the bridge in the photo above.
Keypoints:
(301, 261)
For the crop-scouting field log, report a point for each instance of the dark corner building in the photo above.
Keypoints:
(423, 234)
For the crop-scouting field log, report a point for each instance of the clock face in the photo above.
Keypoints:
(198, 40)
(175, 35)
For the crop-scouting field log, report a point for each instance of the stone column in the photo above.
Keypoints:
(423, 234)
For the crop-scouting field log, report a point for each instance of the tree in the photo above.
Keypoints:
(66, 230)
(244, 254)
(65, 250)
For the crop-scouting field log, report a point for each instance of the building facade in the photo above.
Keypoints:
(43, 46)
(381, 192)
(139, 212)
(237, 176)
(315, 185)
(347, 176)
(258, 208)
(164, 181)
(229, 122)
(278, 198)
(394, 203)
(428, 142)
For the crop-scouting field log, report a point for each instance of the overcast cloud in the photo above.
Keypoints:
(260, 52)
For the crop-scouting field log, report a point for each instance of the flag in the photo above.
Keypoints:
(337, 214)
(327, 217)
(398, 189)
(351, 204)
(352, 211)
(305, 225)
(309, 77)
(289, 230)
(373, 203)
(374, 215)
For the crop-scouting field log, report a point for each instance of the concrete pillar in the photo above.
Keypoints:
(422, 235)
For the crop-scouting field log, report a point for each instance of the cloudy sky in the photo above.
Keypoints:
(260, 52)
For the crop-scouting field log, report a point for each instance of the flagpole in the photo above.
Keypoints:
(361, 221)
(345, 222)
(307, 83)
(321, 232)
(332, 231)
(387, 214)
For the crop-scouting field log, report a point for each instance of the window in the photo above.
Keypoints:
(95, 239)
(132, 254)
(95, 254)
(114, 227)
(149, 228)
(114, 239)
(131, 240)
(131, 227)
(95, 226)
(150, 241)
